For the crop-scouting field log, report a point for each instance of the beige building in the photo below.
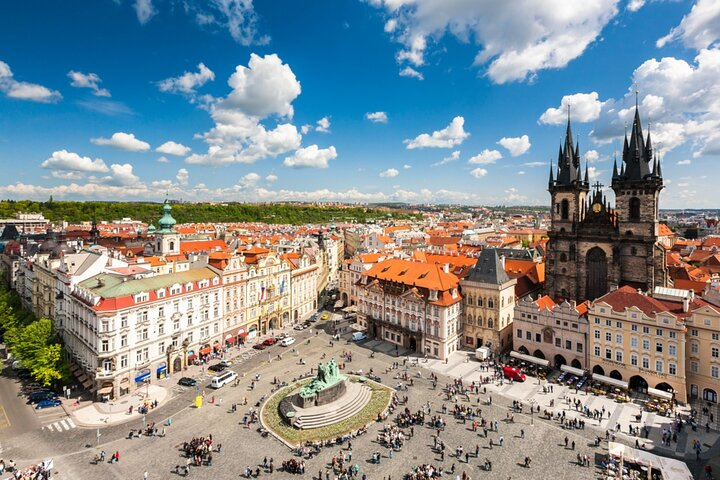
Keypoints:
(702, 353)
(550, 331)
(641, 339)
(489, 301)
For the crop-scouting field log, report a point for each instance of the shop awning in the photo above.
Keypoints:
(161, 368)
(105, 390)
(575, 371)
(610, 381)
(191, 357)
(205, 351)
(530, 358)
(243, 334)
(217, 346)
(350, 309)
(142, 376)
(339, 304)
(229, 339)
(669, 467)
(655, 392)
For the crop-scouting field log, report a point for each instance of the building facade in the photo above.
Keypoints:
(488, 306)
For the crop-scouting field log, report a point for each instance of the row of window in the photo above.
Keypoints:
(558, 341)
(645, 361)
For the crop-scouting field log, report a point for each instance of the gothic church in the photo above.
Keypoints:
(593, 247)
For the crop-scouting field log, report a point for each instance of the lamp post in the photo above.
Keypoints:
(532, 411)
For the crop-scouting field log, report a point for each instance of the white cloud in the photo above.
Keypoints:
(521, 172)
(545, 35)
(188, 82)
(698, 29)
(305, 129)
(389, 173)
(635, 5)
(70, 161)
(684, 162)
(183, 176)
(24, 90)
(592, 156)
(67, 175)
(250, 180)
(534, 164)
(486, 157)
(237, 16)
(594, 173)
(453, 156)
(407, 166)
(271, 178)
(172, 148)
(584, 107)
(121, 175)
(515, 145)
(265, 87)
(311, 157)
(412, 73)
(377, 117)
(323, 125)
(514, 196)
(144, 10)
(88, 80)
(450, 136)
(478, 172)
(390, 25)
(163, 159)
(123, 141)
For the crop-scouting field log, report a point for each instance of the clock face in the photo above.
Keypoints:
(596, 207)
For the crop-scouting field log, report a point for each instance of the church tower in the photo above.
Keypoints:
(167, 239)
(568, 193)
(637, 191)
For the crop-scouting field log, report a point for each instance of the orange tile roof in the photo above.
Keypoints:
(202, 245)
(545, 302)
(417, 274)
(664, 231)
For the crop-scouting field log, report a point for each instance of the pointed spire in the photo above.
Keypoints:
(615, 172)
(551, 181)
(587, 181)
(648, 145)
(622, 170)
(659, 168)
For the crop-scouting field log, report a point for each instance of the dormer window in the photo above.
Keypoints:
(160, 293)
(433, 295)
(142, 297)
(175, 289)
(188, 287)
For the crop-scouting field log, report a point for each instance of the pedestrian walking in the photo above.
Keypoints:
(145, 475)
(522, 433)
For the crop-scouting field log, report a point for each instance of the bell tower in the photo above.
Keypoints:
(167, 239)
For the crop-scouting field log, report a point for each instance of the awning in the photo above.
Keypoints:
(575, 371)
(205, 351)
(142, 376)
(339, 304)
(161, 368)
(105, 390)
(229, 337)
(350, 309)
(191, 357)
(669, 467)
(243, 334)
(217, 346)
(610, 381)
(530, 358)
(656, 392)
(124, 382)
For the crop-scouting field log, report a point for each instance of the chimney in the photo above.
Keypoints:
(502, 260)
(686, 304)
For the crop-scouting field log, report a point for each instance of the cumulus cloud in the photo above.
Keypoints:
(70, 161)
(238, 17)
(684, 162)
(635, 5)
(546, 35)
(478, 172)
(407, 166)
(249, 180)
(121, 175)
(163, 159)
(389, 173)
(323, 125)
(584, 107)
(412, 73)
(144, 10)
(515, 145)
(123, 141)
(25, 90)
(698, 29)
(88, 80)
(453, 156)
(188, 82)
(311, 157)
(271, 178)
(183, 176)
(172, 148)
(592, 156)
(486, 157)
(450, 136)
(377, 117)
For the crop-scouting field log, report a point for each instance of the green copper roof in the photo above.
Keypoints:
(112, 286)
(167, 222)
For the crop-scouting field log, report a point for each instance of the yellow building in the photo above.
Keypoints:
(703, 353)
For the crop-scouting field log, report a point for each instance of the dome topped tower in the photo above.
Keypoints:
(167, 239)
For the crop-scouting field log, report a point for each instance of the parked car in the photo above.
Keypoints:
(299, 326)
(218, 367)
(37, 397)
(359, 336)
(259, 346)
(54, 402)
(287, 341)
(187, 382)
(225, 362)
(513, 374)
(24, 374)
(269, 341)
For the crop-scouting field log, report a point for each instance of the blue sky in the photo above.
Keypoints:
(379, 100)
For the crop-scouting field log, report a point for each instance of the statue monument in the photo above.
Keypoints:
(327, 386)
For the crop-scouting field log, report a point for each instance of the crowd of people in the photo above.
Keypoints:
(198, 452)
(41, 471)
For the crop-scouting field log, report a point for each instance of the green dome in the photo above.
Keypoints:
(167, 222)
(151, 228)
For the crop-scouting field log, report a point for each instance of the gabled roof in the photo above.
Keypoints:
(422, 275)
(488, 269)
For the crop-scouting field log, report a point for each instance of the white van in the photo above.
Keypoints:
(223, 379)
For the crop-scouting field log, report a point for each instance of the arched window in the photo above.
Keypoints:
(490, 323)
(480, 302)
(565, 209)
(563, 257)
(634, 208)
(172, 246)
(490, 303)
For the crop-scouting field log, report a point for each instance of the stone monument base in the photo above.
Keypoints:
(353, 399)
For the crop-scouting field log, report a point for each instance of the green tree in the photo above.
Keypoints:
(48, 366)
(27, 343)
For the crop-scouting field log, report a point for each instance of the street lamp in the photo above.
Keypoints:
(532, 411)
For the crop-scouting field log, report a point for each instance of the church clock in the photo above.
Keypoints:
(596, 207)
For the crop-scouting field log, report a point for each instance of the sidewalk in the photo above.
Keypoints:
(103, 414)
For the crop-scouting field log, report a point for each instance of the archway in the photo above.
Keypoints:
(413, 344)
(559, 360)
(709, 395)
(638, 383)
(538, 354)
(576, 363)
(599, 370)
(523, 350)
(344, 299)
(177, 364)
(664, 386)
(596, 264)
(273, 323)
(478, 342)
(285, 318)
(616, 375)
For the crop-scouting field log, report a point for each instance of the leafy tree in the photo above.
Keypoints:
(27, 343)
(48, 366)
